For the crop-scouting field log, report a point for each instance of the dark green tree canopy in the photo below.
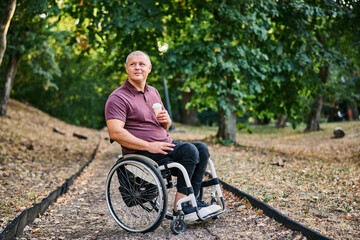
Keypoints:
(262, 58)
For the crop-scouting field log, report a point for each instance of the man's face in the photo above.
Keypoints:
(138, 68)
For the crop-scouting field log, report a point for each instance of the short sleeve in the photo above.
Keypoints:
(115, 108)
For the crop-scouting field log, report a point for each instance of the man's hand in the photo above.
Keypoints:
(160, 147)
(164, 118)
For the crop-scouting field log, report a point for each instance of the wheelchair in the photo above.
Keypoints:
(139, 199)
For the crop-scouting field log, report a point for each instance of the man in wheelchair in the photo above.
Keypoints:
(132, 122)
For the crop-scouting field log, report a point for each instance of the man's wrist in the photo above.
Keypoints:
(147, 145)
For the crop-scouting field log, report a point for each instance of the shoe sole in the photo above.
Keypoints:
(193, 216)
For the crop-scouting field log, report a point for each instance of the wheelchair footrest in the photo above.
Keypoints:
(215, 211)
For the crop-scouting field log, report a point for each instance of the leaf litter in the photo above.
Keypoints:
(311, 178)
(34, 160)
(82, 214)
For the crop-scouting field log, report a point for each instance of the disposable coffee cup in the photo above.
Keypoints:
(157, 108)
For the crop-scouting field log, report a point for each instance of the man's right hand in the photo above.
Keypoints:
(160, 147)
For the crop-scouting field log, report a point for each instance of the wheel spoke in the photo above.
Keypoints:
(136, 195)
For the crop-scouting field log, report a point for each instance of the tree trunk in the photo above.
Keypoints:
(8, 82)
(281, 121)
(190, 116)
(4, 26)
(227, 125)
(313, 119)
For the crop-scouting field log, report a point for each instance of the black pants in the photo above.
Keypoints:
(193, 156)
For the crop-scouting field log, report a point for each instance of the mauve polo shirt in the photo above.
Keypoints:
(134, 108)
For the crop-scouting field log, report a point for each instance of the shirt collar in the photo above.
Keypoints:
(133, 89)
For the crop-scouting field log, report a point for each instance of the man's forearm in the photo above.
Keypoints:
(126, 139)
(118, 133)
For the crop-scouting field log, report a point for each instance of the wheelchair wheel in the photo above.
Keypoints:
(136, 195)
(178, 226)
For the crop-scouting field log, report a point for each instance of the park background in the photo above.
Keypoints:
(248, 65)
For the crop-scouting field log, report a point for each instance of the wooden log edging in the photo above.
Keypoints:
(273, 213)
(16, 227)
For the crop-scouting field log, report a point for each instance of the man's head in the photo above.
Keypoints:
(137, 53)
(138, 66)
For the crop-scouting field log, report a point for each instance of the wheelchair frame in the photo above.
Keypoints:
(142, 174)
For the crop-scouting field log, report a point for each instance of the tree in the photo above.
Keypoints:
(217, 47)
(301, 54)
(28, 35)
(90, 55)
(349, 47)
(265, 58)
(344, 80)
(118, 27)
(336, 23)
(293, 52)
(4, 25)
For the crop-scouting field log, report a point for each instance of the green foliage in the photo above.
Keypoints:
(81, 91)
(245, 57)
(242, 126)
(219, 47)
(71, 71)
(224, 142)
(262, 55)
(344, 81)
(29, 37)
(117, 27)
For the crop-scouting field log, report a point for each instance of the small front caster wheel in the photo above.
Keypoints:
(178, 226)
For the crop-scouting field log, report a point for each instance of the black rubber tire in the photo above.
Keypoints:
(178, 226)
(145, 215)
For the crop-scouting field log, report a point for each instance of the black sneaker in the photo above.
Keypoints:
(201, 204)
(190, 212)
(187, 208)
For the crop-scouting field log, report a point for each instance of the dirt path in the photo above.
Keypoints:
(82, 214)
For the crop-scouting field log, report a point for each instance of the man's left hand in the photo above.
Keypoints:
(164, 118)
